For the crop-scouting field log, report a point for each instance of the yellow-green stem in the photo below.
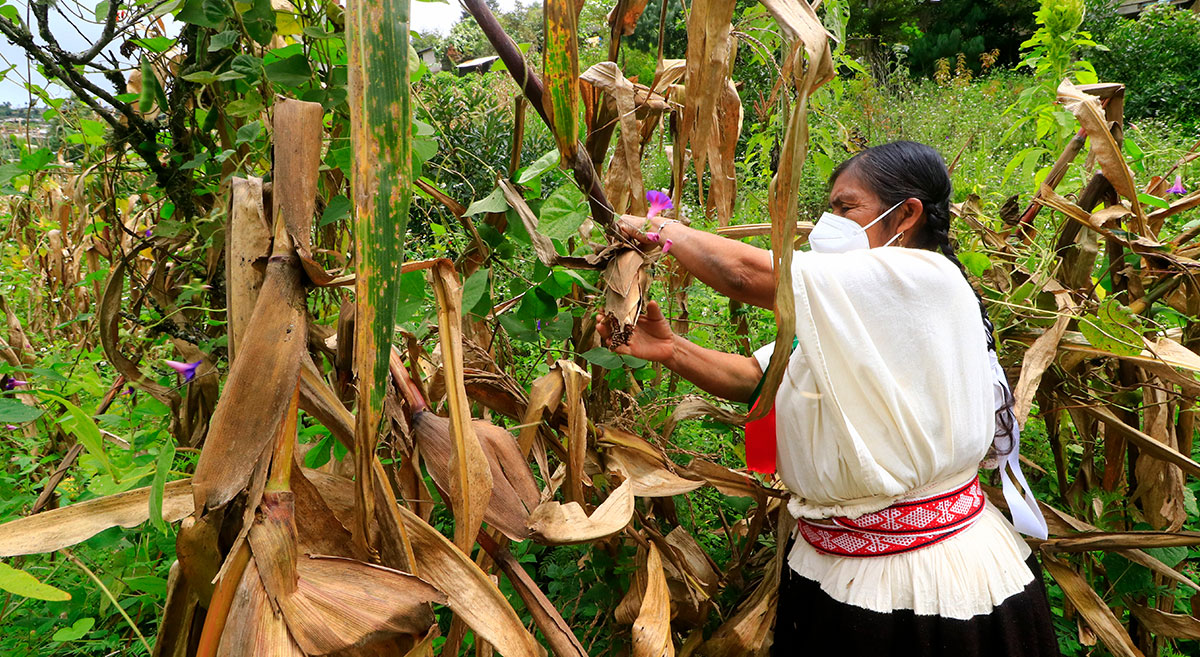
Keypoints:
(88, 571)
(285, 445)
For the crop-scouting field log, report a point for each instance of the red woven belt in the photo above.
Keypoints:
(902, 527)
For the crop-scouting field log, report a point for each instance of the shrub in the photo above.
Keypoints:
(1155, 56)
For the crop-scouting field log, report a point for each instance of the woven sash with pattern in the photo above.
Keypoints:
(902, 527)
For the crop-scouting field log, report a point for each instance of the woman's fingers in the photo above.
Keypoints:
(602, 327)
(631, 226)
(654, 312)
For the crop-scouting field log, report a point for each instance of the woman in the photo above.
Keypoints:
(890, 401)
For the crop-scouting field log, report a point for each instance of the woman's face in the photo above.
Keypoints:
(856, 202)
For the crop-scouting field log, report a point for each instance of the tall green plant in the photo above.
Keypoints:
(1052, 53)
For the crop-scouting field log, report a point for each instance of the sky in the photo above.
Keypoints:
(74, 35)
(438, 16)
(78, 34)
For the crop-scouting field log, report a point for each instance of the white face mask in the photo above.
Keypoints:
(837, 234)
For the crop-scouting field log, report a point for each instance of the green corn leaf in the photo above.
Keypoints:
(19, 582)
(380, 103)
(561, 74)
(162, 467)
(79, 423)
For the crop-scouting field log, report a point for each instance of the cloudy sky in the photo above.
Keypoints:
(439, 16)
(79, 33)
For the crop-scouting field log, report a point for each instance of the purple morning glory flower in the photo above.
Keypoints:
(10, 383)
(149, 232)
(1178, 187)
(658, 201)
(128, 390)
(10, 427)
(187, 370)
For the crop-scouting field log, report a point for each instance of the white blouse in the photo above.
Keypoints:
(889, 396)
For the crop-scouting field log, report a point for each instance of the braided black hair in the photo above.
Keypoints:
(902, 170)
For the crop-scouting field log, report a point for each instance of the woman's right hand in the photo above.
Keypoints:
(652, 338)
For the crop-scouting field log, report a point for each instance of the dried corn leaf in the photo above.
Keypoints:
(643, 464)
(297, 163)
(542, 246)
(690, 556)
(471, 477)
(1161, 623)
(652, 628)
(109, 323)
(694, 406)
(470, 593)
(799, 23)
(574, 381)
(1159, 485)
(333, 603)
(723, 185)
(341, 603)
(249, 413)
(514, 491)
(1091, 607)
(624, 186)
(623, 23)
(783, 191)
(254, 626)
(545, 615)
(1064, 525)
(179, 610)
(544, 397)
(1113, 541)
(747, 631)
(1147, 443)
(553, 523)
(58, 528)
(710, 49)
(626, 279)
(1105, 148)
(199, 554)
(725, 480)
(1037, 358)
(247, 241)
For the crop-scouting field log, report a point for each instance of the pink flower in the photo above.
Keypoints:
(653, 237)
(667, 246)
(658, 201)
(187, 370)
(10, 427)
(1178, 187)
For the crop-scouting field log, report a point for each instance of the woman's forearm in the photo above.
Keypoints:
(728, 376)
(732, 268)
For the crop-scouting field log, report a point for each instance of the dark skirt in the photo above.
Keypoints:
(810, 622)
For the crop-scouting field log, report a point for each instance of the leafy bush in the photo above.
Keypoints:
(1155, 56)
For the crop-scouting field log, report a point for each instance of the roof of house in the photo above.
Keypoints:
(1133, 7)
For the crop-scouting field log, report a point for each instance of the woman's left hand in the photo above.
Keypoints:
(652, 338)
